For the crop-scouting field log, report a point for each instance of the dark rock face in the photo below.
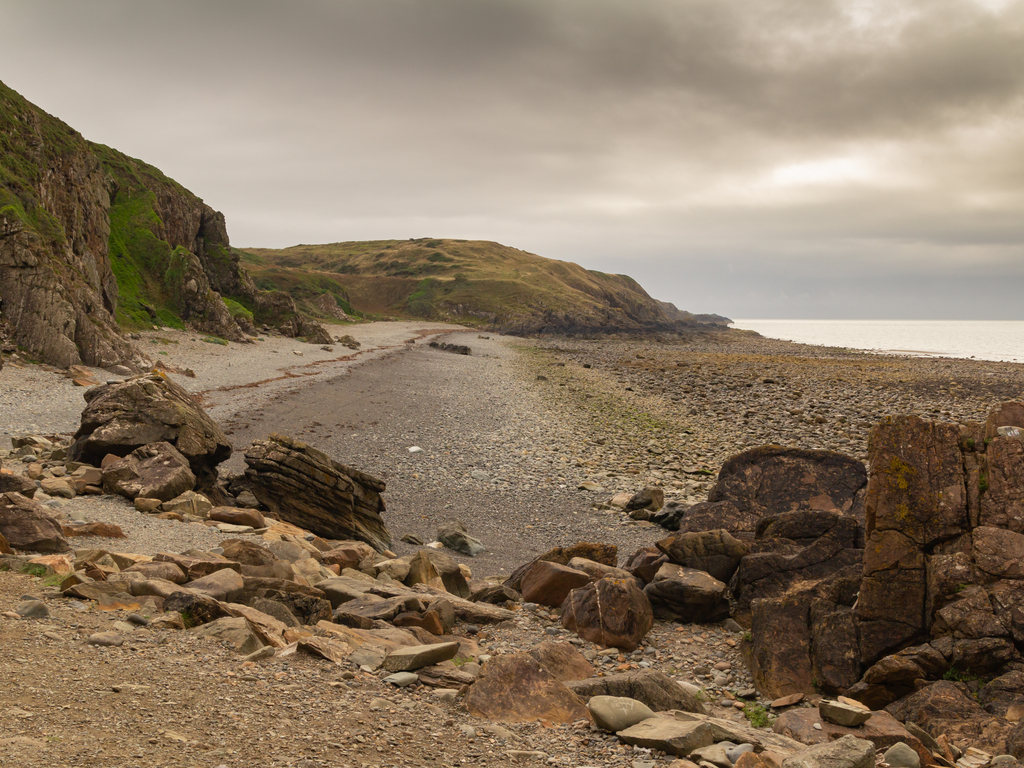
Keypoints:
(25, 525)
(122, 417)
(947, 707)
(610, 612)
(306, 487)
(916, 498)
(771, 480)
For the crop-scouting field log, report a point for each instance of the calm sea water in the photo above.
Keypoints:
(980, 339)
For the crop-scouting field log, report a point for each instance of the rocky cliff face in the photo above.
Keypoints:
(93, 242)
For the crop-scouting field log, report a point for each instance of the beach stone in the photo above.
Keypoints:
(616, 713)
(101, 530)
(650, 499)
(674, 737)
(655, 689)
(188, 503)
(599, 570)
(237, 516)
(417, 656)
(58, 487)
(843, 714)
(645, 563)
(900, 755)
(32, 609)
(348, 554)
(516, 688)
(122, 417)
(145, 504)
(106, 639)
(224, 585)
(12, 483)
(246, 552)
(26, 525)
(687, 595)
(159, 570)
(154, 471)
(548, 583)
(455, 536)
(608, 612)
(305, 487)
(847, 752)
(234, 631)
(402, 679)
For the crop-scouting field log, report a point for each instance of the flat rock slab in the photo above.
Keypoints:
(843, 714)
(409, 659)
(675, 737)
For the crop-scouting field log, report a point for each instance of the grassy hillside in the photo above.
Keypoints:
(474, 282)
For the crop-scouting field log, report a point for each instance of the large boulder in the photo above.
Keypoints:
(517, 688)
(307, 488)
(916, 498)
(154, 471)
(687, 595)
(26, 525)
(549, 583)
(610, 612)
(716, 552)
(127, 415)
(599, 553)
(771, 480)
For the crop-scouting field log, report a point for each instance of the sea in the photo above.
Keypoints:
(977, 339)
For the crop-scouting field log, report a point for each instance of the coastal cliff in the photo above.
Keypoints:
(94, 243)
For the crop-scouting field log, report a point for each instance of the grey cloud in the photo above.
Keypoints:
(633, 137)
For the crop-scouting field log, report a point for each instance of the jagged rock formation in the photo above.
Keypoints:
(121, 417)
(93, 242)
(306, 487)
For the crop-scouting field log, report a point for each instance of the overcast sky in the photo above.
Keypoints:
(753, 158)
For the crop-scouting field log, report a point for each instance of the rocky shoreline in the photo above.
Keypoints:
(526, 442)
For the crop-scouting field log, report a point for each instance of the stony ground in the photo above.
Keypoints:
(507, 434)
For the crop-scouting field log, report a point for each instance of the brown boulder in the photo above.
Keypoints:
(26, 525)
(781, 645)
(715, 552)
(305, 487)
(237, 516)
(12, 483)
(155, 471)
(159, 570)
(606, 554)
(549, 583)
(645, 562)
(609, 612)
(687, 595)
(516, 688)
(562, 660)
(102, 530)
(348, 554)
(247, 553)
(770, 480)
(122, 417)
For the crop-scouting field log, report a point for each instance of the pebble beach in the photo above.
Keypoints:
(523, 440)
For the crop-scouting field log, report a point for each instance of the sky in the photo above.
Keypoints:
(786, 159)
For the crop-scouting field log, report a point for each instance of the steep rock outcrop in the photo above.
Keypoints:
(304, 486)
